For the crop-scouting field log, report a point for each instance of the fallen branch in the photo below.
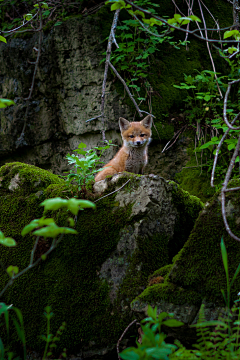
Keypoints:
(121, 337)
(112, 191)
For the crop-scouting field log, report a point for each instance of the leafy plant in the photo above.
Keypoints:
(138, 37)
(202, 102)
(50, 339)
(84, 169)
(153, 345)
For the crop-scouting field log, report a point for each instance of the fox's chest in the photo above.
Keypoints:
(136, 160)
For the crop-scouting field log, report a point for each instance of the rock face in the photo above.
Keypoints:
(91, 278)
(197, 274)
(67, 92)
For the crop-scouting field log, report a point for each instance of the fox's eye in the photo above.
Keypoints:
(142, 135)
(131, 136)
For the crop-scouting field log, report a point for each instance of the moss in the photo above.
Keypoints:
(163, 271)
(188, 208)
(198, 271)
(164, 131)
(169, 293)
(151, 254)
(194, 179)
(68, 280)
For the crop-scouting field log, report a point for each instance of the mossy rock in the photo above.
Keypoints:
(90, 278)
(197, 274)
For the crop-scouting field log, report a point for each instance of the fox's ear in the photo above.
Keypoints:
(124, 124)
(147, 122)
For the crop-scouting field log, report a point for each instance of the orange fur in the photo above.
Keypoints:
(132, 156)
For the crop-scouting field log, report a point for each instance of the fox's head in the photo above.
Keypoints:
(136, 134)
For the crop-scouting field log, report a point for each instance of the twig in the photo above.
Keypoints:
(209, 51)
(233, 189)
(96, 117)
(20, 140)
(114, 40)
(112, 192)
(225, 106)
(193, 32)
(224, 188)
(166, 147)
(14, 30)
(121, 337)
(109, 50)
(145, 112)
(127, 89)
(33, 250)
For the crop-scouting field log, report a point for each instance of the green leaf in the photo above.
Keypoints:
(116, 6)
(44, 5)
(3, 308)
(3, 39)
(235, 275)
(54, 204)
(224, 257)
(195, 18)
(82, 145)
(172, 323)
(5, 102)
(129, 354)
(9, 242)
(28, 17)
(177, 16)
(33, 224)
(230, 33)
(184, 20)
(71, 221)
(75, 205)
(211, 323)
(207, 97)
(231, 146)
(232, 49)
(53, 231)
(12, 270)
(58, 23)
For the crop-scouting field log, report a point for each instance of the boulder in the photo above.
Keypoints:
(197, 275)
(90, 279)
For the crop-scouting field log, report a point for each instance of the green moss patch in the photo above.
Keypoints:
(197, 271)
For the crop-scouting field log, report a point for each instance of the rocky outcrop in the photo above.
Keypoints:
(141, 222)
(197, 274)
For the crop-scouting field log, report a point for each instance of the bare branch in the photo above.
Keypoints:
(127, 89)
(176, 136)
(225, 106)
(94, 118)
(112, 191)
(19, 27)
(20, 140)
(118, 343)
(193, 32)
(224, 188)
(108, 55)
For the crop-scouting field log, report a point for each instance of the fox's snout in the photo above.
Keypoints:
(136, 142)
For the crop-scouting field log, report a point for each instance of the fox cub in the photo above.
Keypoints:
(132, 156)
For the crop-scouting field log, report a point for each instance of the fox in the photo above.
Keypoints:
(133, 155)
